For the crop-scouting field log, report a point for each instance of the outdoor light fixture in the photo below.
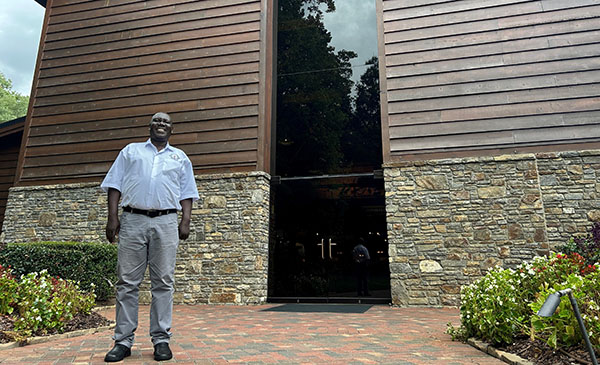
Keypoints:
(549, 307)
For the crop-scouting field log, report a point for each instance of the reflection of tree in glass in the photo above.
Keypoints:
(362, 144)
(314, 103)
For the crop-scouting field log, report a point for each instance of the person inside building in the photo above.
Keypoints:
(361, 258)
(154, 181)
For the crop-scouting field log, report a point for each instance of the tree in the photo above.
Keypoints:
(12, 104)
(363, 141)
(314, 103)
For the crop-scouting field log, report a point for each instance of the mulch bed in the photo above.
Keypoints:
(539, 352)
(79, 322)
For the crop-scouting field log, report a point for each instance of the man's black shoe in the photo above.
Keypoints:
(162, 352)
(118, 353)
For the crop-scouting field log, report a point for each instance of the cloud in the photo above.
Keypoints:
(353, 27)
(20, 28)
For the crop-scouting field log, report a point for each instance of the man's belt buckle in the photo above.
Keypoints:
(154, 213)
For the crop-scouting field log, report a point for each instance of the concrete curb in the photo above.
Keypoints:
(42, 339)
(502, 355)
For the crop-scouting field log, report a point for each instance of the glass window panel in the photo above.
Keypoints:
(328, 117)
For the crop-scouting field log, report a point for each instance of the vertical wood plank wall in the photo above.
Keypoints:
(107, 66)
(466, 75)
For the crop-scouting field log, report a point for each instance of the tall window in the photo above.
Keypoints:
(328, 118)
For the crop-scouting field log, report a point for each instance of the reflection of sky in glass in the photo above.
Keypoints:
(353, 27)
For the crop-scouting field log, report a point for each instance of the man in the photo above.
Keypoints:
(154, 181)
(361, 258)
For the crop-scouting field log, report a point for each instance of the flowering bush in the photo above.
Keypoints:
(557, 268)
(502, 304)
(86, 263)
(40, 303)
(8, 290)
(588, 246)
(494, 308)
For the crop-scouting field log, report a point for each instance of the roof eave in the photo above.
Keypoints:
(41, 2)
(12, 126)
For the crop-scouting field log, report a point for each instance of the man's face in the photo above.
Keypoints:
(160, 127)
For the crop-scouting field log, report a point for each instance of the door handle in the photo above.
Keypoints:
(331, 244)
(322, 244)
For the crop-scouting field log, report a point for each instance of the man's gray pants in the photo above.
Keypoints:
(152, 242)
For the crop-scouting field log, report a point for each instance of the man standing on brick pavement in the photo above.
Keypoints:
(154, 180)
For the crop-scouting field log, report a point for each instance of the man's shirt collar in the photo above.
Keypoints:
(149, 143)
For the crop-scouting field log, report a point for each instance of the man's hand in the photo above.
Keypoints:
(112, 228)
(186, 215)
(112, 224)
(184, 229)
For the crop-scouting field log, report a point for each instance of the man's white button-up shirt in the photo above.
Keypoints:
(149, 179)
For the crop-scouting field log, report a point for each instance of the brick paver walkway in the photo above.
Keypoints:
(260, 335)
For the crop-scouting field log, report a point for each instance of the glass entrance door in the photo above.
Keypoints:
(318, 223)
(326, 146)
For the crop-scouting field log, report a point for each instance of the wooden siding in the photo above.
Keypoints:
(472, 75)
(9, 154)
(105, 67)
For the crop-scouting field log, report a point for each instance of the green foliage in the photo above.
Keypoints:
(8, 290)
(494, 308)
(12, 104)
(48, 303)
(90, 264)
(363, 140)
(41, 303)
(587, 246)
(562, 329)
(502, 304)
(457, 333)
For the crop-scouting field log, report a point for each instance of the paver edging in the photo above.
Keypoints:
(60, 336)
(507, 357)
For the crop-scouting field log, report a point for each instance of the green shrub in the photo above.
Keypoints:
(494, 308)
(41, 303)
(86, 263)
(562, 329)
(8, 290)
(587, 246)
(502, 305)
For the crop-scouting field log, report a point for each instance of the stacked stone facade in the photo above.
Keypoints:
(450, 220)
(227, 260)
(570, 185)
(224, 260)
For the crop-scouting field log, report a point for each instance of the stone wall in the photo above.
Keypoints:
(227, 260)
(450, 220)
(570, 185)
(74, 212)
(224, 260)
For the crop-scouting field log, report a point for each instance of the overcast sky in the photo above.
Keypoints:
(353, 27)
(20, 27)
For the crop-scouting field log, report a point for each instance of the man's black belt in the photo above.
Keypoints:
(149, 213)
